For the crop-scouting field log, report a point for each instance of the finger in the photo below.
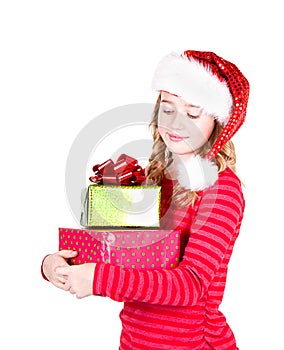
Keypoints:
(61, 279)
(63, 271)
(67, 286)
(59, 285)
(72, 291)
(66, 254)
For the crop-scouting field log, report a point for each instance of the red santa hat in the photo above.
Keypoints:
(208, 81)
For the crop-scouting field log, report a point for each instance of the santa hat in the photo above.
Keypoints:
(208, 81)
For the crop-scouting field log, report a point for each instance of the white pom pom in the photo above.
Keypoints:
(196, 173)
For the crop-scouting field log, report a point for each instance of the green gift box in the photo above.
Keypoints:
(121, 206)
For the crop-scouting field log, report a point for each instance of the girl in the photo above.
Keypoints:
(201, 104)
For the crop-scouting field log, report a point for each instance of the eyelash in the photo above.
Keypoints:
(170, 112)
(192, 116)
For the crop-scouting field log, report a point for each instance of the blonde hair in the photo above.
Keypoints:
(160, 159)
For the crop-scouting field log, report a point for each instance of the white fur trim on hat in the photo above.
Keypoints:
(197, 173)
(191, 80)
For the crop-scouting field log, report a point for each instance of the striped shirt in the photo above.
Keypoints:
(178, 308)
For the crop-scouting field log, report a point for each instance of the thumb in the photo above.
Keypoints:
(66, 254)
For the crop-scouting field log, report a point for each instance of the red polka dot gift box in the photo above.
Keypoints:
(139, 249)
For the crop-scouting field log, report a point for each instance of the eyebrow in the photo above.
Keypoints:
(187, 105)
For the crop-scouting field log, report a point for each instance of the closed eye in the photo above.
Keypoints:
(191, 116)
(168, 111)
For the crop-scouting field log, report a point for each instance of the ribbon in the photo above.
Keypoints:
(126, 171)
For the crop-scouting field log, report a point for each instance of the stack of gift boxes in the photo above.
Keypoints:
(121, 221)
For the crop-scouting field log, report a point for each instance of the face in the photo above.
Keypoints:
(183, 127)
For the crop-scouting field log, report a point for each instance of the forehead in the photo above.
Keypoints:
(176, 100)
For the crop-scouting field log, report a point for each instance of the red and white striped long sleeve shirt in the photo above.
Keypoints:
(178, 308)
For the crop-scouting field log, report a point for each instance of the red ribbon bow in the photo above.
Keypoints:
(126, 171)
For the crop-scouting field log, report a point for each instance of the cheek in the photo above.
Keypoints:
(162, 131)
(206, 127)
(164, 122)
(200, 133)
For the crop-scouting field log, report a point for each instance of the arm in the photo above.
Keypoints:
(213, 232)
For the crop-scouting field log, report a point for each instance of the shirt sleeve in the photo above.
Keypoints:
(212, 235)
(41, 269)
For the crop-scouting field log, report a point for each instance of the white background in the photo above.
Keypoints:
(62, 63)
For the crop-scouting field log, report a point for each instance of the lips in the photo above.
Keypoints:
(176, 138)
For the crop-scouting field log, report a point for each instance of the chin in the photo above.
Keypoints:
(182, 154)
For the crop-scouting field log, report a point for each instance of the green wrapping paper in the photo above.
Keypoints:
(121, 206)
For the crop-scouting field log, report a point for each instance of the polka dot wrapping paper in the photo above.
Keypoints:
(130, 249)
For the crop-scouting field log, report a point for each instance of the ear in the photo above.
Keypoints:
(196, 173)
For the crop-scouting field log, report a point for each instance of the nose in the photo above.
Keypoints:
(177, 121)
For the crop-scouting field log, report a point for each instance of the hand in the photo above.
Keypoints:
(52, 262)
(79, 279)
